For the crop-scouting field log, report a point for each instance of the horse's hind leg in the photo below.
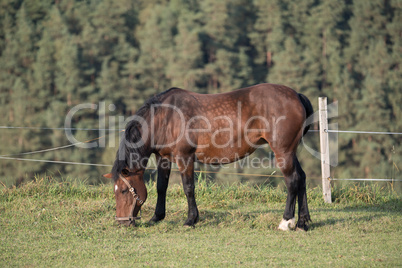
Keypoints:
(295, 180)
(164, 167)
(304, 215)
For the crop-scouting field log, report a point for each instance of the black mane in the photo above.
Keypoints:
(132, 135)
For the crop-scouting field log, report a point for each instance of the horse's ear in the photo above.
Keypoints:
(108, 175)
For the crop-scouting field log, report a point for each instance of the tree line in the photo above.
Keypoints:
(55, 55)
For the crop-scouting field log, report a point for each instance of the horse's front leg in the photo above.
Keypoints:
(164, 167)
(186, 167)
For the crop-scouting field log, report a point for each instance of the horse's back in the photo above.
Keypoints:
(225, 127)
(269, 100)
(260, 93)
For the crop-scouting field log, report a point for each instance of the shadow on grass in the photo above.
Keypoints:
(214, 218)
(273, 216)
(391, 207)
(229, 217)
(344, 220)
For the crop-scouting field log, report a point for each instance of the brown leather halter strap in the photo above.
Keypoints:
(135, 200)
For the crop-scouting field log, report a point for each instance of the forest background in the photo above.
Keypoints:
(55, 55)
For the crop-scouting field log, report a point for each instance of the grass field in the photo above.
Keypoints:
(71, 224)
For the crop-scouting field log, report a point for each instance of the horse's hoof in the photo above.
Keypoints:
(286, 225)
(303, 228)
(152, 223)
(188, 226)
(155, 220)
(191, 222)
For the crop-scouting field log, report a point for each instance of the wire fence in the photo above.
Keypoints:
(115, 129)
(61, 128)
(14, 158)
(363, 132)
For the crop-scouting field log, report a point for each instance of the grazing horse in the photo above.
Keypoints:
(183, 127)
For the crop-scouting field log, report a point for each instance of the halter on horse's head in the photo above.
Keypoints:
(130, 194)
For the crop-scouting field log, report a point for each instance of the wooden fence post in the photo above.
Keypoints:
(324, 144)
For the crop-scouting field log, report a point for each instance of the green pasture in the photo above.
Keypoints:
(47, 223)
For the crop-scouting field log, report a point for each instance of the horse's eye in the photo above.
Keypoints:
(125, 172)
(125, 190)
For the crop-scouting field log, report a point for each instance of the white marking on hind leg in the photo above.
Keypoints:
(286, 225)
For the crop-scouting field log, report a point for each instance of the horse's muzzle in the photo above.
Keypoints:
(127, 221)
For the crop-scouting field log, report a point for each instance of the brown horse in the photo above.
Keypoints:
(183, 127)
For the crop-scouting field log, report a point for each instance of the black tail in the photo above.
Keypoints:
(309, 110)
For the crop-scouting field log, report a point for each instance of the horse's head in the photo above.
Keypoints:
(130, 194)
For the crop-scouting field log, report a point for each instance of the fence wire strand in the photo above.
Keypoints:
(362, 132)
(11, 156)
(115, 129)
(61, 128)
